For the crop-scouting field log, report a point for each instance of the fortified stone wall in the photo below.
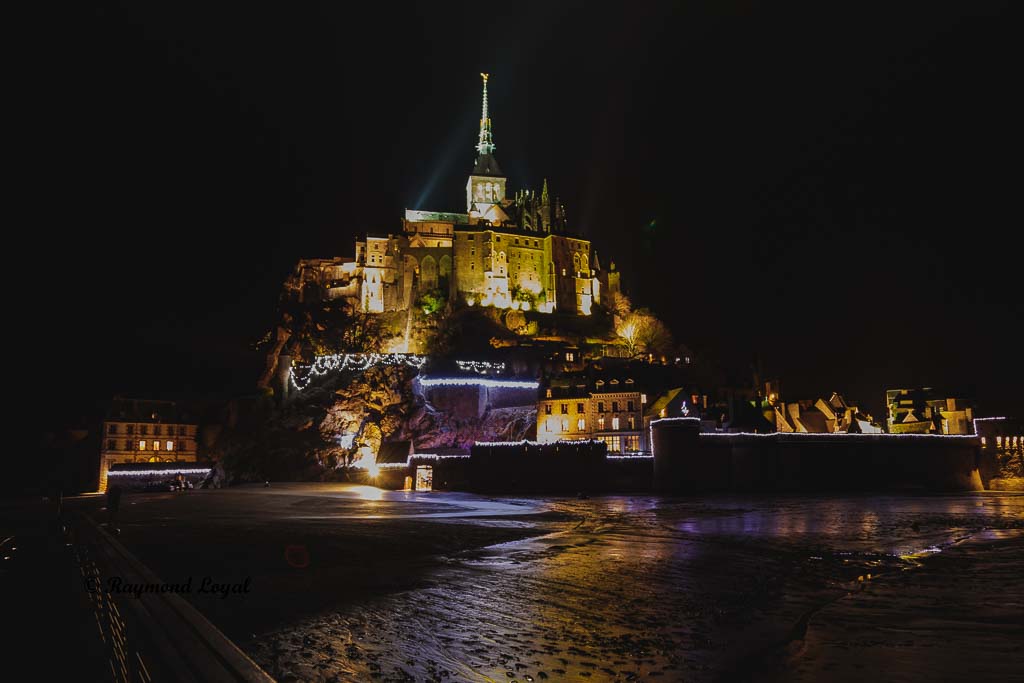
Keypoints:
(686, 460)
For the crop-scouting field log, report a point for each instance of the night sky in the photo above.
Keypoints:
(836, 191)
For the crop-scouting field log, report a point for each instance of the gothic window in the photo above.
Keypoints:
(428, 272)
(584, 263)
(576, 262)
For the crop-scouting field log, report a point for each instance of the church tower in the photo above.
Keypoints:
(486, 186)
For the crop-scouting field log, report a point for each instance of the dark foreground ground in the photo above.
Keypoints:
(351, 583)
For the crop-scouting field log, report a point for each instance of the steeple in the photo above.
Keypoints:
(486, 184)
(486, 143)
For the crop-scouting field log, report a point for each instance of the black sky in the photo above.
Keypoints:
(835, 190)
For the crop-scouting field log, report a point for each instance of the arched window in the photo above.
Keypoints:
(428, 272)
(584, 263)
(576, 262)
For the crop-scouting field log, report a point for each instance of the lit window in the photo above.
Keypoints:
(565, 424)
(615, 423)
(581, 424)
(142, 445)
(156, 445)
(632, 423)
(170, 444)
(633, 443)
(600, 423)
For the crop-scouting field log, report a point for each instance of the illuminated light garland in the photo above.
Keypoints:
(474, 382)
(352, 361)
(419, 456)
(804, 436)
(526, 442)
(480, 366)
(633, 456)
(976, 420)
(149, 473)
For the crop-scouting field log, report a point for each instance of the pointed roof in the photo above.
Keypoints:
(486, 164)
(486, 142)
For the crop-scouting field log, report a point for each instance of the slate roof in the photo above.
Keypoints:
(487, 165)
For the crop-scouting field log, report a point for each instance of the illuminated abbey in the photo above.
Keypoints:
(513, 252)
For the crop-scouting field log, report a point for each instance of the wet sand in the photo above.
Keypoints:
(458, 587)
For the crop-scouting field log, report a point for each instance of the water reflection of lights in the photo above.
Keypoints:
(364, 492)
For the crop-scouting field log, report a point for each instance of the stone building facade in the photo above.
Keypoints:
(610, 411)
(924, 411)
(136, 431)
(508, 252)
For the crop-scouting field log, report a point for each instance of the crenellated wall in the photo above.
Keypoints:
(687, 460)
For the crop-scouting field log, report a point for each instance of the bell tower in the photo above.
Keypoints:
(486, 185)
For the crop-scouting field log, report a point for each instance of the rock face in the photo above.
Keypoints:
(343, 417)
(442, 430)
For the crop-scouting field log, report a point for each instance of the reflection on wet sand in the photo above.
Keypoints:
(634, 587)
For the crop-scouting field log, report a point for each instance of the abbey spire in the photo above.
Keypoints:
(486, 186)
(486, 143)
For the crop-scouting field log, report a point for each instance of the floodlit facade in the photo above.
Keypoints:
(139, 431)
(505, 251)
(611, 412)
(922, 411)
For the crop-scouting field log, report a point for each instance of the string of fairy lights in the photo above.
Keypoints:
(357, 362)
(481, 367)
(158, 473)
(301, 375)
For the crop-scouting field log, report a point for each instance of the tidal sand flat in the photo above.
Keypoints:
(352, 583)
